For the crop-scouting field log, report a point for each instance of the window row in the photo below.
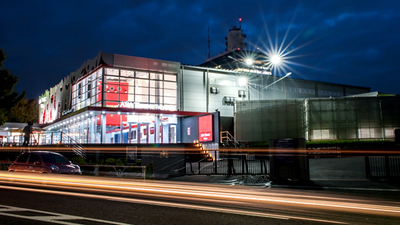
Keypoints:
(139, 74)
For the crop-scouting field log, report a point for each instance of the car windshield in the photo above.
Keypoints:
(54, 158)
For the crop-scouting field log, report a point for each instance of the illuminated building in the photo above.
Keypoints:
(125, 99)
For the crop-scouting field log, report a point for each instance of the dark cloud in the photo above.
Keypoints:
(350, 42)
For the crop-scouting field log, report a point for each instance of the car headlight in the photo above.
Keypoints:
(55, 168)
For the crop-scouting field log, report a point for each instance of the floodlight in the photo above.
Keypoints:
(275, 59)
(249, 61)
(242, 81)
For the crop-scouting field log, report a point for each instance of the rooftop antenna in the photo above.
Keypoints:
(240, 22)
(208, 41)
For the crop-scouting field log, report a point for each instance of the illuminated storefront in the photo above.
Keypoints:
(123, 99)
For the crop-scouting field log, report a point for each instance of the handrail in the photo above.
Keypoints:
(77, 148)
(226, 136)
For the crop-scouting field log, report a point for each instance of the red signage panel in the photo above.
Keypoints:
(206, 128)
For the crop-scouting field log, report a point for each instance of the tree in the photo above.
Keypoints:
(8, 97)
(27, 110)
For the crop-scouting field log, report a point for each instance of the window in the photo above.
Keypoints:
(321, 134)
(112, 71)
(171, 93)
(79, 90)
(169, 100)
(127, 73)
(89, 88)
(170, 77)
(169, 85)
(242, 93)
(143, 75)
(23, 158)
(34, 158)
(156, 76)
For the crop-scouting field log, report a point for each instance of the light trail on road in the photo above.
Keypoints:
(177, 205)
(205, 192)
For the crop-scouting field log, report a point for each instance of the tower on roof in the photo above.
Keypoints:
(235, 38)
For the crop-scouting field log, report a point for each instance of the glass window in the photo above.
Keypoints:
(156, 76)
(34, 158)
(169, 85)
(54, 158)
(169, 100)
(144, 75)
(141, 83)
(155, 91)
(112, 71)
(111, 79)
(142, 98)
(23, 158)
(142, 90)
(170, 77)
(170, 93)
(127, 82)
(127, 73)
(156, 100)
(156, 84)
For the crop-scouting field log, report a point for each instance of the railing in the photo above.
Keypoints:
(119, 171)
(52, 138)
(232, 165)
(387, 166)
(227, 139)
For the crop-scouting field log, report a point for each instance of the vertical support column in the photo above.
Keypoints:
(103, 125)
(130, 133)
(121, 130)
(157, 124)
(103, 89)
(147, 133)
(207, 80)
(139, 132)
(92, 130)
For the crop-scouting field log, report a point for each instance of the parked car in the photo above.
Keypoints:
(44, 162)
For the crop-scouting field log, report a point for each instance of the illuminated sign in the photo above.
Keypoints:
(206, 128)
(127, 105)
(137, 105)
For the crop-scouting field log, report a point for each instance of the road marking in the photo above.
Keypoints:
(51, 217)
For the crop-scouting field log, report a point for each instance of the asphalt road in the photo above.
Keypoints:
(26, 199)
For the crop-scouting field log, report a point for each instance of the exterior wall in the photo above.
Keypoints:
(193, 91)
(289, 88)
(318, 119)
(196, 91)
(260, 121)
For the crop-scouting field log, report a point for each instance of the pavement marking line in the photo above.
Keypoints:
(52, 218)
(176, 205)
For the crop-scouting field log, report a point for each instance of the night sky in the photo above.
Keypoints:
(346, 42)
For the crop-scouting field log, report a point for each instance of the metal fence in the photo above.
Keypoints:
(229, 166)
(383, 166)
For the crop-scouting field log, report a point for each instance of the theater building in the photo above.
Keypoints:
(116, 98)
